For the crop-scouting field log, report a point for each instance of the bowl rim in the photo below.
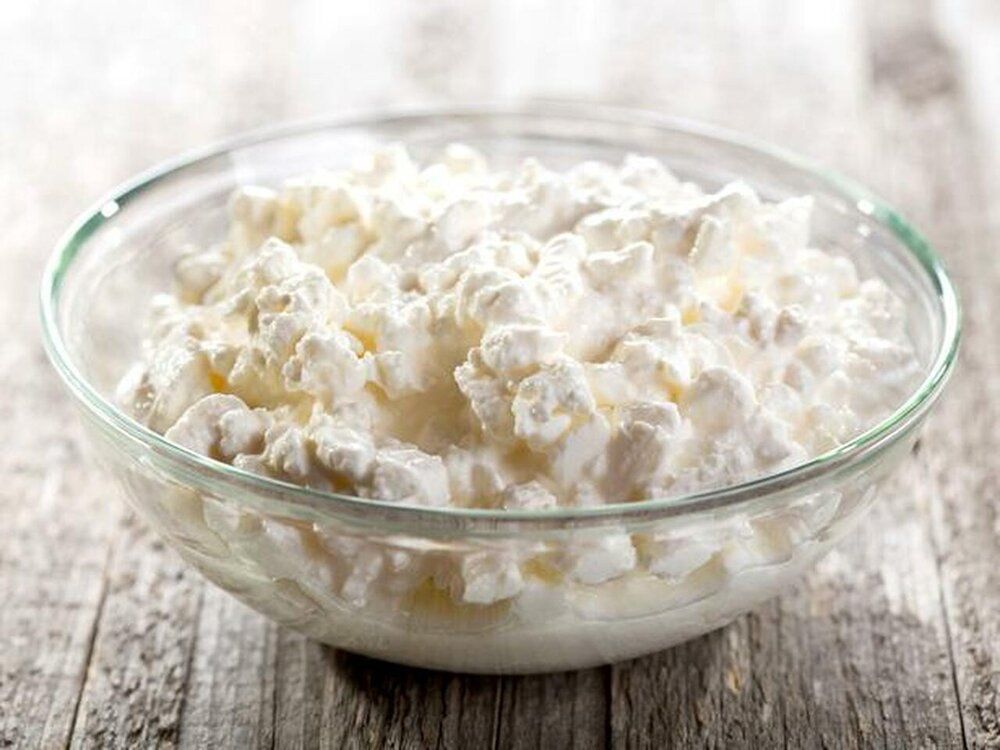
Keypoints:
(204, 472)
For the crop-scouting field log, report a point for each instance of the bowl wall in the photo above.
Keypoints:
(376, 582)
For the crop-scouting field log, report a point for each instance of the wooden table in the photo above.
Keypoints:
(106, 639)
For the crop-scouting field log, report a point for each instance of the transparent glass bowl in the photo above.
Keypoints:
(360, 574)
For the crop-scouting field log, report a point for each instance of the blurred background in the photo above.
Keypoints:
(102, 630)
(93, 91)
(120, 85)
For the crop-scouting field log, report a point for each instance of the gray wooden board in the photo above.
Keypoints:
(108, 640)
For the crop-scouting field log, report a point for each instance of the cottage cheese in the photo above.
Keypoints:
(454, 335)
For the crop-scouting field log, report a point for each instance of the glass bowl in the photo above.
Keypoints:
(365, 575)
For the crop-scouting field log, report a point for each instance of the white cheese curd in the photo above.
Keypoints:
(525, 339)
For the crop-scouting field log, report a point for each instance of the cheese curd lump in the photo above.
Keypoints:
(450, 334)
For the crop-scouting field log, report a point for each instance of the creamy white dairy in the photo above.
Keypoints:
(526, 339)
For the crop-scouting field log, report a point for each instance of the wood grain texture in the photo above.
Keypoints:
(859, 655)
(929, 121)
(108, 640)
(229, 695)
(136, 682)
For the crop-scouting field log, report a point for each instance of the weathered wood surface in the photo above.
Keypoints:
(107, 640)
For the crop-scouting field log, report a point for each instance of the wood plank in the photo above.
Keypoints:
(367, 703)
(334, 699)
(137, 678)
(878, 669)
(566, 710)
(935, 94)
(58, 519)
(821, 666)
(229, 697)
(51, 573)
(137, 687)
(968, 521)
(299, 691)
